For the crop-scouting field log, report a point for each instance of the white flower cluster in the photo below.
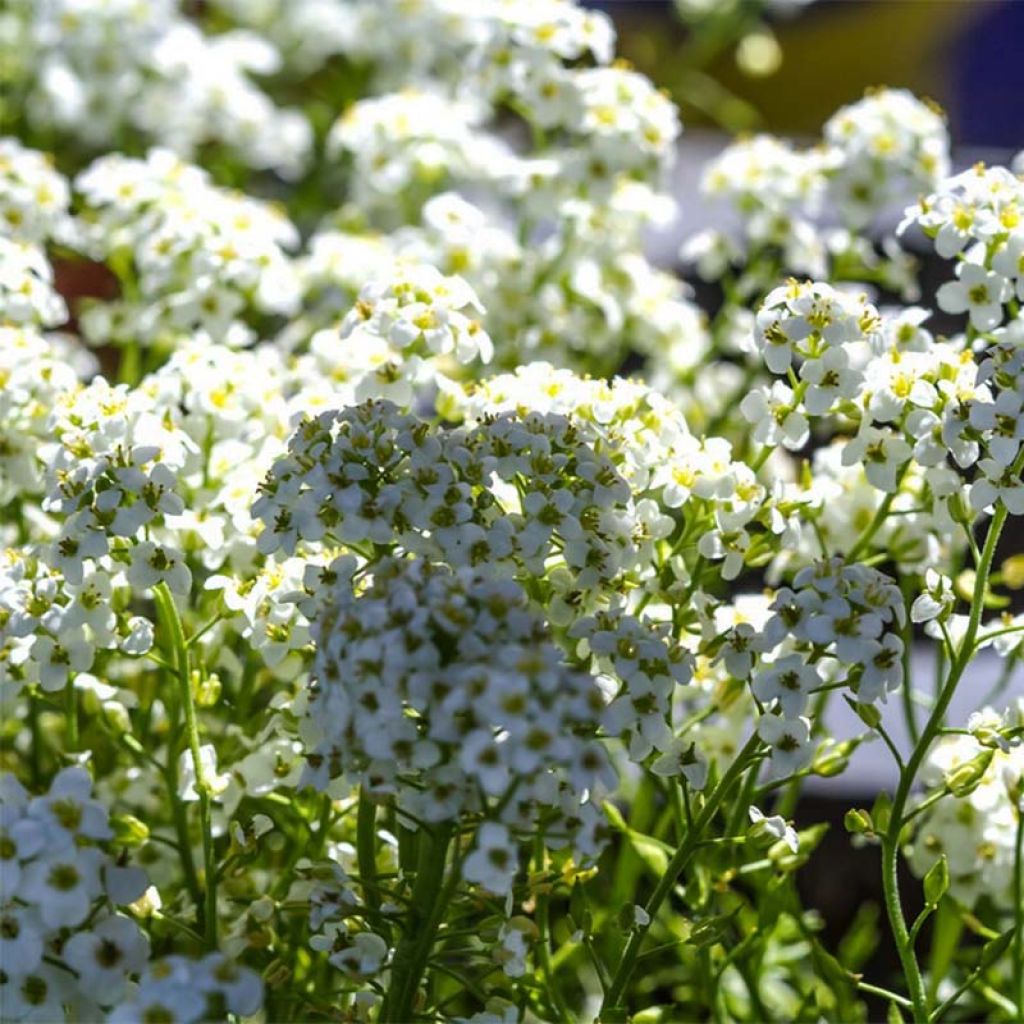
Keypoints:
(975, 217)
(526, 56)
(442, 688)
(519, 494)
(75, 62)
(62, 942)
(648, 441)
(188, 991)
(412, 137)
(840, 623)
(405, 322)
(533, 308)
(27, 294)
(199, 257)
(33, 376)
(809, 320)
(34, 197)
(975, 824)
(887, 148)
(305, 33)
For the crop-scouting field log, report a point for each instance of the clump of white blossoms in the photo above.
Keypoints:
(417, 604)
(885, 148)
(73, 64)
(194, 256)
(440, 687)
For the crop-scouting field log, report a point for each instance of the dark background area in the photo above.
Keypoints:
(968, 55)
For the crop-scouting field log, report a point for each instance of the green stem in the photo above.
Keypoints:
(70, 714)
(616, 992)
(876, 522)
(36, 742)
(366, 850)
(891, 840)
(906, 691)
(168, 613)
(560, 1010)
(426, 908)
(184, 843)
(1018, 912)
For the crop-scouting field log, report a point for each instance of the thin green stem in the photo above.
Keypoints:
(70, 714)
(1018, 912)
(876, 520)
(891, 840)
(907, 691)
(171, 621)
(995, 949)
(616, 992)
(558, 1006)
(877, 990)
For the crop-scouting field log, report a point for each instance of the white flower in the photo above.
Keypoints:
(156, 563)
(979, 292)
(789, 680)
(363, 958)
(1002, 421)
(106, 955)
(240, 987)
(936, 601)
(882, 452)
(790, 740)
(830, 378)
(39, 997)
(216, 782)
(997, 482)
(776, 418)
(58, 659)
(68, 811)
(685, 759)
(493, 862)
(775, 826)
(63, 885)
(21, 933)
(882, 661)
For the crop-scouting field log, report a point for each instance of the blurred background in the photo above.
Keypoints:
(785, 66)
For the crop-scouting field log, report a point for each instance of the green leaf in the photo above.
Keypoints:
(993, 950)
(936, 881)
(653, 852)
(893, 1015)
(947, 928)
(579, 909)
(712, 929)
(861, 938)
